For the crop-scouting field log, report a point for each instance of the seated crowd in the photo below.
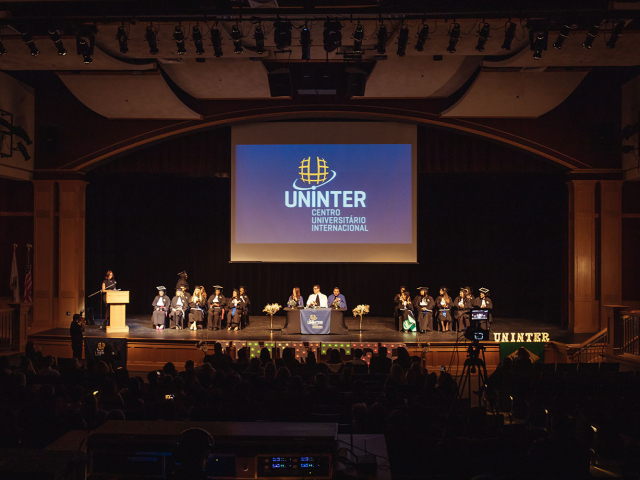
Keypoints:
(562, 421)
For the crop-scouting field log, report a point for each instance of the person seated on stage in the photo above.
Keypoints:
(424, 305)
(462, 306)
(396, 308)
(178, 309)
(295, 299)
(216, 305)
(161, 306)
(317, 298)
(197, 307)
(408, 321)
(236, 309)
(484, 302)
(336, 299)
(444, 302)
(380, 363)
(242, 292)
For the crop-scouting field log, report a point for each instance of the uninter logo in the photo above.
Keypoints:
(312, 176)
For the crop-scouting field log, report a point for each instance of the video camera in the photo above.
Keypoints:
(475, 332)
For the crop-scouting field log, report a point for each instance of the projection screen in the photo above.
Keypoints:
(323, 192)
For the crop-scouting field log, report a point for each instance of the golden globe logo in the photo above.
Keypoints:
(315, 176)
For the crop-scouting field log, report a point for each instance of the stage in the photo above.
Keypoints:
(148, 348)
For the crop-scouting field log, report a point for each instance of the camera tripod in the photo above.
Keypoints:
(474, 365)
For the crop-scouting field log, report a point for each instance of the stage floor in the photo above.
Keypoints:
(375, 329)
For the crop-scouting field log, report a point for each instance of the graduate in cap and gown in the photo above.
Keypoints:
(215, 304)
(397, 315)
(408, 322)
(161, 305)
(236, 309)
(179, 307)
(182, 281)
(423, 306)
(484, 302)
(197, 307)
(444, 302)
(242, 292)
(462, 306)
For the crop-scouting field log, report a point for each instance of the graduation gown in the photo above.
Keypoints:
(462, 306)
(197, 310)
(404, 312)
(477, 303)
(215, 311)
(177, 312)
(444, 311)
(182, 282)
(424, 312)
(161, 311)
(235, 312)
(397, 314)
(247, 306)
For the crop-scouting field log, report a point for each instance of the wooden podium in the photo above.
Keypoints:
(117, 301)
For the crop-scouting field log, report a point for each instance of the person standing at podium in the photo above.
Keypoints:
(317, 298)
(161, 306)
(109, 283)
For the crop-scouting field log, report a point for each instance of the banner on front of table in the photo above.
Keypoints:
(315, 322)
(535, 349)
(94, 349)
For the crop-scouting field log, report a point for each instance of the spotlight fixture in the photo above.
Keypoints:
(403, 39)
(538, 42)
(196, 35)
(454, 36)
(3, 51)
(123, 40)
(28, 40)
(592, 33)
(237, 39)
(423, 36)
(382, 40)
(509, 35)
(483, 36)
(282, 35)
(150, 36)
(332, 35)
(85, 42)
(358, 36)
(259, 37)
(178, 36)
(564, 33)
(216, 41)
(55, 37)
(305, 42)
(611, 43)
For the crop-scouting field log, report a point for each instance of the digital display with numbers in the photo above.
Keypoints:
(294, 466)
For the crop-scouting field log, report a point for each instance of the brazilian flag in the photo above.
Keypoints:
(535, 349)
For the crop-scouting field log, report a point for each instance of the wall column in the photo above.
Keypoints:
(583, 306)
(43, 254)
(610, 246)
(71, 249)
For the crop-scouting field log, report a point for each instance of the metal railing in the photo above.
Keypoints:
(6, 328)
(631, 332)
(591, 350)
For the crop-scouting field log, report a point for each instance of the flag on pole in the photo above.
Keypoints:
(28, 283)
(15, 287)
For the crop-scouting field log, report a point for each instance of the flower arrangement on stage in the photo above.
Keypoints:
(360, 310)
(271, 308)
(336, 303)
(292, 303)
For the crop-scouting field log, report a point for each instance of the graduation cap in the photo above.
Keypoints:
(423, 288)
(444, 289)
(183, 273)
(161, 289)
(484, 290)
(217, 287)
(242, 286)
(464, 289)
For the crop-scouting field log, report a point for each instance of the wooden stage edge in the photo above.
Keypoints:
(148, 349)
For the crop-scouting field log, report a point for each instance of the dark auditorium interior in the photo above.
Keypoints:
(145, 139)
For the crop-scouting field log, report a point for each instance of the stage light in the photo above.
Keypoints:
(332, 35)
(617, 31)
(382, 40)
(150, 36)
(196, 36)
(564, 32)
(178, 36)
(85, 42)
(123, 40)
(423, 36)
(282, 35)
(216, 41)
(403, 39)
(509, 35)
(454, 36)
(3, 51)
(538, 42)
(259, 37)
(28, 40)
(592, 33)
(358, 36)
(237, 39)
(55, 37)
(305, 43)
(483, 36)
